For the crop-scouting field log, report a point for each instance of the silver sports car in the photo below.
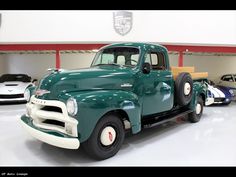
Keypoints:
(13, 86)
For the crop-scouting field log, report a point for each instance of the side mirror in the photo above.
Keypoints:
(34, 81)
(146, 68)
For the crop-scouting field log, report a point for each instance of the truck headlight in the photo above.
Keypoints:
(27, 95)
(72, 107)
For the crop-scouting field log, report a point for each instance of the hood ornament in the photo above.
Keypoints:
(41, 92)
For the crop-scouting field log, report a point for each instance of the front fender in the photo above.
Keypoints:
(92, 105)
(198, 89)
(32, 90)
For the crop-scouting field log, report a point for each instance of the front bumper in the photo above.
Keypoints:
(49, 137)
(209, 101)
(8, 100)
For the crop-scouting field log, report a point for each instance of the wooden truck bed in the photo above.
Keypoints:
(195, 75)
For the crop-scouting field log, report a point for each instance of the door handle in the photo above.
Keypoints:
(168, 76)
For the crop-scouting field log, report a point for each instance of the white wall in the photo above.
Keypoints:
(215, 65)
(173, 59)
(78, 60)
(2, 64)
(188, 27)
(35, 65)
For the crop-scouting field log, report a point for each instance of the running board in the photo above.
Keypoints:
(162, 119)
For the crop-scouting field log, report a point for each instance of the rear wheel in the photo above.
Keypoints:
(106, 139)
(197, 114)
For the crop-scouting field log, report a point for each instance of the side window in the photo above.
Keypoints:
(227, 78)
(134, 59)
(234, 78)
(154, 58)
(121, 60)
(157, 61)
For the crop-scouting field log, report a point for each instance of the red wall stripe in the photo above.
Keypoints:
(12, 47)
(178, 48)
(58, 60)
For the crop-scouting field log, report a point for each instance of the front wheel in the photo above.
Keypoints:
(106, 139)
(196, 115)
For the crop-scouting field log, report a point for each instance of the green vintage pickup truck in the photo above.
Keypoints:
(129, 86)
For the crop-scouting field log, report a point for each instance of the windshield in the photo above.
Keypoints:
(121, 56)
(15, 77)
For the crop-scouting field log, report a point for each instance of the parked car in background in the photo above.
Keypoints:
(227, 80)
(221, 94)
(13, 86)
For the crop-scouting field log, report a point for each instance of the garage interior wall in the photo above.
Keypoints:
(2, 64)
(35, 65)
(216, 66)
(77, 60)
(173, 59)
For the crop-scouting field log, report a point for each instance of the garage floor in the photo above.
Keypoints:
(207, 143)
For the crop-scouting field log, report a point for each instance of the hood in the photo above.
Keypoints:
(226, 91)
(94, 78)
(13, 87)
(217, 93)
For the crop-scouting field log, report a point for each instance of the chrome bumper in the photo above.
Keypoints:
(63, 142)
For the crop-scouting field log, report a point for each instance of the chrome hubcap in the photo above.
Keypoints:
(108, 136)
(198, 108)
(187, 88)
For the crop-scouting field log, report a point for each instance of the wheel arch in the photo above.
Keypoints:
(122, 115)
(93, 105)
(203, 97)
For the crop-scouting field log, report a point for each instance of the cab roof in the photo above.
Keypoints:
(140, 45)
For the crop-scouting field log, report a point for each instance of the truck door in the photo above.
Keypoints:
(158, 85)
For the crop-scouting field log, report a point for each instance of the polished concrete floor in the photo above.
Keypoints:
(211, 142)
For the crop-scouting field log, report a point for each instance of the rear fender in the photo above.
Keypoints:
(199, 89)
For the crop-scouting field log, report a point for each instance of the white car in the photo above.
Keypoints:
(227, 80)
(13, 86)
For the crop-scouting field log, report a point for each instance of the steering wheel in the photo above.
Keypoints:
(132, 60)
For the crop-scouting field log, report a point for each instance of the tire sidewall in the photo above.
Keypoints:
(94, 145)
(180, 82)
(199, 101)
(194, 117)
